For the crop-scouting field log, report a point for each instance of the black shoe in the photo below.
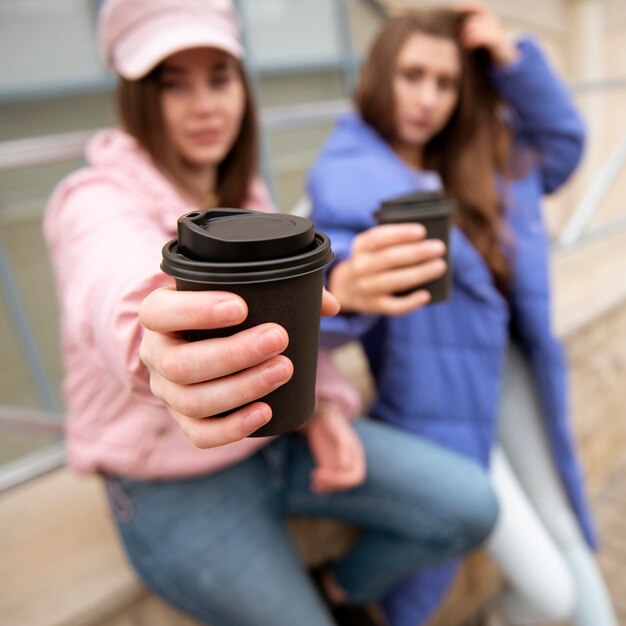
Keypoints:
(354, 615)
(346, 614)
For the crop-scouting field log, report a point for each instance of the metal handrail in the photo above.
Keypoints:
(66, 146)
(606, 228)
(50, 422)
(606, 84)
(42, 150)
(592, 200)
(32, 465)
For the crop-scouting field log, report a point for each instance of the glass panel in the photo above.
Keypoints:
(28, 262)
(24, 193)
(48, 116)
(291, 154)
(279, 32)
(17, 442)
(16, 385)
(47, 46)
(298, 89)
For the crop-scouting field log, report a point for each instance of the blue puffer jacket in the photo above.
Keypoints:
(438, 370)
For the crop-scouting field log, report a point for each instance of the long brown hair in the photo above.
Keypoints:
(475, 147)
(140, 114)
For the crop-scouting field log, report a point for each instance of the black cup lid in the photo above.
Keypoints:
(234, 246)
(416, 197)
(240, 235)
(414, 206)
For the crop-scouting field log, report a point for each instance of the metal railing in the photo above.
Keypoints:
(69, 146)
(591, 202)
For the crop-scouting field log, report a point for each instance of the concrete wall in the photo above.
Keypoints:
(47, 44)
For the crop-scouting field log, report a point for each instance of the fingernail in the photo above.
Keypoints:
(424, 295)
(259, 417)
(440, 265)
(276, 373)
(230, 310)
(416, 229)
(437, 246)
(270, 341)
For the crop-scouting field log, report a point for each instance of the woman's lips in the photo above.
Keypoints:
(205, 136)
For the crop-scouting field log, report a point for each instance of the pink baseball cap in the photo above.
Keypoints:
(136, 35)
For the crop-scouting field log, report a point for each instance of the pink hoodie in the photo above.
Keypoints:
(105, 227)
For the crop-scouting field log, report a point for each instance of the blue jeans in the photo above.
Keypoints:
(217, 548)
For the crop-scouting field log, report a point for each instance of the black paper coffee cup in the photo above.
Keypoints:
(434, 212)
(275, 262)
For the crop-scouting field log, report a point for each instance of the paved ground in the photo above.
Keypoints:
(611, 517)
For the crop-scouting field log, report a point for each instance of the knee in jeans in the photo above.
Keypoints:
(477, 509)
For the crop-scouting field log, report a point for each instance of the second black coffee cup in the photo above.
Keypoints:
(434, 211)
(275, 262)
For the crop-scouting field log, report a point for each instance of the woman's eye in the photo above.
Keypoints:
(172, 85)
(220, 80)
(413, 75)
(448, 84)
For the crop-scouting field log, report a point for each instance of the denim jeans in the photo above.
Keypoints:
(216, 546)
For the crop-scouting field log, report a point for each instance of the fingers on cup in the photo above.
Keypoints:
(168, 311)
(212, 432)
(224, 394)
(209, 359)
(405, 255)
(402, 279)
(330, 304)
(399, 305)
(379, 237)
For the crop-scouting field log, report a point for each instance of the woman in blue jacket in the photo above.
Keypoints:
(446, 101)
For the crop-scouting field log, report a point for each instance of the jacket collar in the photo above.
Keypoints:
(118, 154)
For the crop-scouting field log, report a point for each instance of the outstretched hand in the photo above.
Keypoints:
(199, 380)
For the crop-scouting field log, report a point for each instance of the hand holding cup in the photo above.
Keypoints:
(271, 261)
(387, 260)
(201, 379)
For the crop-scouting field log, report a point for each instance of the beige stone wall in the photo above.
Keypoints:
(597, 354)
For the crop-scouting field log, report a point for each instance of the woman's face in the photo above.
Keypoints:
(425, 87)
(203, 100)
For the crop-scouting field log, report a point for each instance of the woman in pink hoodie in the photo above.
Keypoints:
(201, 508)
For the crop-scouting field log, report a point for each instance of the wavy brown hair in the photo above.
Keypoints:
(140, 115)
(475, 147)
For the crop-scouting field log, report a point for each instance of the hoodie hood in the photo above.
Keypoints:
(116, 154)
